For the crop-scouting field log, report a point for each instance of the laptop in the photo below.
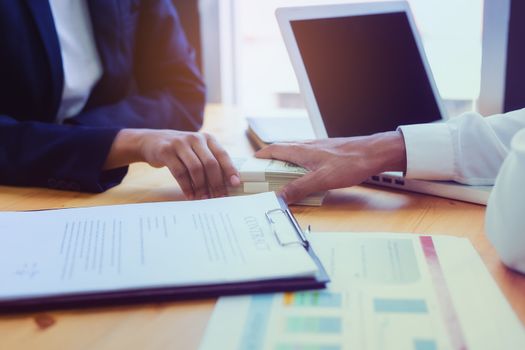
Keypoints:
(362, 69)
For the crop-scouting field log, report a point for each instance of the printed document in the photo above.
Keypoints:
(123, 247)
(387, 291)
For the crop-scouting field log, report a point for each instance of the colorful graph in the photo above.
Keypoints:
(313, 299)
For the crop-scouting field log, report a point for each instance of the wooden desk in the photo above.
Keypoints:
(180, 325)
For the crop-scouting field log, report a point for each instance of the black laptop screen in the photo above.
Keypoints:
(366, 73)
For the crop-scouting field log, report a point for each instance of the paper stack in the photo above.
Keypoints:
(263, 175)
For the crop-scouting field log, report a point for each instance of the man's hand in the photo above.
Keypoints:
(200, 165)
(339, 162)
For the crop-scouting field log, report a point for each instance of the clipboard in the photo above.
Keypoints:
(275, 217)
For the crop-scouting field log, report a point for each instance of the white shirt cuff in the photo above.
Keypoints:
(429, 151)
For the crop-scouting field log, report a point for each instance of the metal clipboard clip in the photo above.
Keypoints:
(280, 219)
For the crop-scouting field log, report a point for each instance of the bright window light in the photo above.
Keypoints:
(450, 29)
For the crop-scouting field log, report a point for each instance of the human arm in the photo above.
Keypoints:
(200, 165)
(56, 156)
(159, 87)
(340, 162)
(467, 149)
(93, 159)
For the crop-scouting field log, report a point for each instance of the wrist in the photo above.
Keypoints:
(125, 149)
(389, 150)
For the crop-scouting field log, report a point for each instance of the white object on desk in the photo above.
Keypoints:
(505, 217)
(262, 175)
(139, 246)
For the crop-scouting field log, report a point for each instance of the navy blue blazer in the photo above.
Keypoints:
(150, 80)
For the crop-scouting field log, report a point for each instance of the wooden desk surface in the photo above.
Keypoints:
(180, 325)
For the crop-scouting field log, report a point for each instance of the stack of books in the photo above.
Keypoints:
(263, 175)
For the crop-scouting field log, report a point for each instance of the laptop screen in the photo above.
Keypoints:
(366, 73)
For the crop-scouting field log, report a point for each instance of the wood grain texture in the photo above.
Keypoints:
(180, 325)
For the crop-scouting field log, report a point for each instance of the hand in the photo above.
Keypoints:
(197, 161)
(338, 162)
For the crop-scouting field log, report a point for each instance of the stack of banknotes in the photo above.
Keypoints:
(263, 175)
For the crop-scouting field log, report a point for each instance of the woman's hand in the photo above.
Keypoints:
(200, 165)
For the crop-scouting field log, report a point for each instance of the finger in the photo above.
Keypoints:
(194, 166)
(231, 174)
(282, 151)
(212, 169)
(180, 173)
(302, 187)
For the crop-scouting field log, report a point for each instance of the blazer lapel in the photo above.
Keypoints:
(46, 26)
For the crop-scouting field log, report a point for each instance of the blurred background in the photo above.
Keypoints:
(245, 61)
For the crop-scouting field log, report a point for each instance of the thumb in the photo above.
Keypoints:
(300, 188)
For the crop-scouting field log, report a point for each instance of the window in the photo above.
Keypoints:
(264, 78)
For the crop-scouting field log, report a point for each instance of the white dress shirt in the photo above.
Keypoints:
(470, 149)
(80, 60)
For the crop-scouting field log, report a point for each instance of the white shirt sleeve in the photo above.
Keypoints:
(468, 149)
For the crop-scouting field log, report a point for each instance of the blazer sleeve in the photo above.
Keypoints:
(170, 91)
(56, 156)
